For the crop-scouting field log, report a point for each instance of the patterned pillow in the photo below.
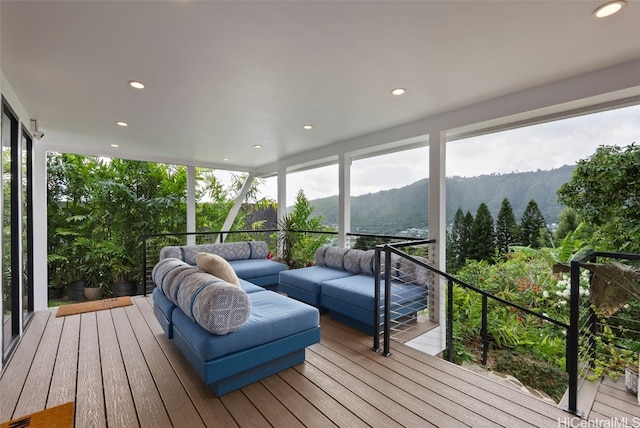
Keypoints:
(259, 249)
(334, 257)
(409, 272)
(220, 308)
(367, 262)
(217, 266)
(351, 261)
(319, 255)
(215, 305)
(170, 252)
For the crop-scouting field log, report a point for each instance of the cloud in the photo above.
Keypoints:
(544, 146)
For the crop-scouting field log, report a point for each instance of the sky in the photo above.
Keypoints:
(545, 146)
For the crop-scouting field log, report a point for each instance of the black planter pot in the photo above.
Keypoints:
(54, 293)
(123, 288)
(75, 290)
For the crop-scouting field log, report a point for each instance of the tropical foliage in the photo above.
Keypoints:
(98, 210)
(296, 237)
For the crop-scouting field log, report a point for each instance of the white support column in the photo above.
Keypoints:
(437, 224)
(344, 199)
(191, 204)
(39, 183)
(282, 199)
(233, 213)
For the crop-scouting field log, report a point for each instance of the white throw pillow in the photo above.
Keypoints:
(217, 266)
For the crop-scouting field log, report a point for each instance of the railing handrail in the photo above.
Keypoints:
(571, 328)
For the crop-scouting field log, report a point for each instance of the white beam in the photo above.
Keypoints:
(437, 224)
(191, 204)
(282, 199)
(344, 199)
(233, 213)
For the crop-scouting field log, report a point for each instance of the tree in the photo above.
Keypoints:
(568, 222)
(482, 245)
(455, 247)
(531, 224)
(299, 245)
(506, 227)
(604, 190)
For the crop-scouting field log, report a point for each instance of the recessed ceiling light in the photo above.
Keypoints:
(136, 84)
(307, 126)
(257, 146)
(115, 145)
(226, 159)
(122, 123)
(398, 91)
(609, 8)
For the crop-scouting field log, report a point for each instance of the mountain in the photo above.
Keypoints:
(397, 210)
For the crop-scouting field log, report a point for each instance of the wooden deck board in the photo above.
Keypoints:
(20, 362)
(117, 393)
(36, 387)
(176, 400)
(63, 383)
(90, 409)
(121, 370)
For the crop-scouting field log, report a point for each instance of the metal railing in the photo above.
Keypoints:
(585, 339)
(153, 243)
(438, 276)
(389, 314)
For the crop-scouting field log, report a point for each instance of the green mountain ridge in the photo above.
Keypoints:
(401, 209)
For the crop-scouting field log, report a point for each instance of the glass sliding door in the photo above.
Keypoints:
(27, 227)
(10, 223)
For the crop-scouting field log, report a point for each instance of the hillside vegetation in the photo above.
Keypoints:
(396, 210)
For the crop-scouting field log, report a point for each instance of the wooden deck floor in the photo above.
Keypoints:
(121, 371)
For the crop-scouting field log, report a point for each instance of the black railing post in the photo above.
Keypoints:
(572, 338)
(144, 264)
(387, 300)
(485, 333)
(376, 293)
(450, 320)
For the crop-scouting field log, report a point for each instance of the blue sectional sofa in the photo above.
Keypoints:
(231, 335)
(248, 259)
(342, 282)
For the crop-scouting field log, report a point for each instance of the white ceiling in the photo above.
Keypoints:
(223, 76)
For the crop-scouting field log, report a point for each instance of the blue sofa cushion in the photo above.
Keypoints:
(358, 290)
(254, 268)
(273, 317)
(310, 278)
(250, 287)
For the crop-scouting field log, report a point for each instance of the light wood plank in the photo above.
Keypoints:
(149, 406)
(36, 387)
(355, 403)
(11, 381)
(65, 372)
(181, 410)
(332, 409)
(443, 399)
(262, 397)
(243, 410)
(117, 393)
(388, 406)
(90, 411)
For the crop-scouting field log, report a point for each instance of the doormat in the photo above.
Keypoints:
(55, 417)
(96, 305)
